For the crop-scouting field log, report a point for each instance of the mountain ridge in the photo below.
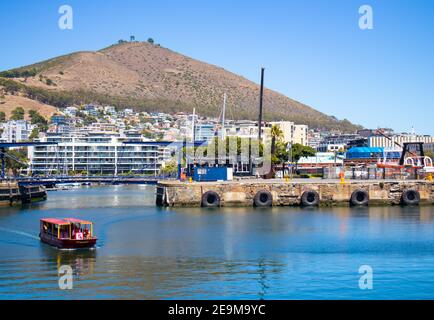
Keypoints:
(152, 78)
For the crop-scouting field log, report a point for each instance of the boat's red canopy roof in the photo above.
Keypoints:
(55, 221)
(74, 220)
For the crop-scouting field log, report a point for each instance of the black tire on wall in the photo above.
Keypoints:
(210, 199)
(360, 197)
(263, 198)
(310, 198)
(410, 197)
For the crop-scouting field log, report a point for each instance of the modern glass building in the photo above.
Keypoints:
(94, 153)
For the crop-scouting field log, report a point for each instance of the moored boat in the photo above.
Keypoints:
(68, 233)
(9, 193)
(69, 185)
(33, 193)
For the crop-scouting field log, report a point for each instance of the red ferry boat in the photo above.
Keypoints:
(68, 233)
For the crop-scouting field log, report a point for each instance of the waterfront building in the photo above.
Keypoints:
(392, 154)
(398, 139)
(204, 131)
(364, 155)
(16, 130)
(292, 133)
(341, 141)
(94, 153)
(246, 129)
(428, 147)
(322, 159)
(287, 128)
(314, 139)
(300, 134)
(331, 148)
(347, 139)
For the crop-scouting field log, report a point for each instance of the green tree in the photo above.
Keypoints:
(276, 138)
(299, 151)
(170, 167)
(2, 116)
(429, 154)
(16, 160)
(279, 154)
(88, 120)
(34, 135)
(151, 41)
(148, 134)
(17, 114)
(37, 119)
(159, 136)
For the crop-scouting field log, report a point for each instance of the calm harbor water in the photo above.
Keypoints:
(146, 252)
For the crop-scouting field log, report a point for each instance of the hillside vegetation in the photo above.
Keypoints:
(148, 77)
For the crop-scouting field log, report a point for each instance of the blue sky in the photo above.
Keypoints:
(313, 50)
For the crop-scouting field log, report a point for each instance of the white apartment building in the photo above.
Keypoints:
(314, 139)
(293, 133)
(381, 141)
(94, 153)
(300, 134)
(16, 130)
(247, 129)
(70, 111)
(110, 110)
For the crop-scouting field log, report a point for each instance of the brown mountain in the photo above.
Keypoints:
(148, 77)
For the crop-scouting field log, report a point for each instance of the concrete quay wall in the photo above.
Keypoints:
(283, 193)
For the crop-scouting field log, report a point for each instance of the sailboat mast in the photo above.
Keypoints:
(193, 122)
(223, 116)
(261, 98)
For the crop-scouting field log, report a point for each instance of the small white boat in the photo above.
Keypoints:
(68, 186)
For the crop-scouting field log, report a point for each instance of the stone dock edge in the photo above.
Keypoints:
(292, 193)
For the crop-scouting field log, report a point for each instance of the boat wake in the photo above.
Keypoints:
(77, 249)
(21, 233)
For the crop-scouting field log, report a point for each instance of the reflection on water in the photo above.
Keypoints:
(146, 252)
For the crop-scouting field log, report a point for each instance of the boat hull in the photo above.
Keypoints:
(9, 194)
(34, 197)
(68, 243)
(9, 201)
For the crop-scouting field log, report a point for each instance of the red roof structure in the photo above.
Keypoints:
(55, 221)
(74, 220)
